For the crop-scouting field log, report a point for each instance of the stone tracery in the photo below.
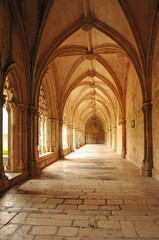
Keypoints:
(43, 123)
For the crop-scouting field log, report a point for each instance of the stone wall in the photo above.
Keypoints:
(155, 107)
(134, 120)
(95, 133)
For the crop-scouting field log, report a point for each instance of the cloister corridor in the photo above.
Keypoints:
(91, 194)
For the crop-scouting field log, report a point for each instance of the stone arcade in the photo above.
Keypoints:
(76, 72)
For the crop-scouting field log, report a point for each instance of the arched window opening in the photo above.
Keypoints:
(5, 137)
(12, 160)
(43, 123)
(64, 136)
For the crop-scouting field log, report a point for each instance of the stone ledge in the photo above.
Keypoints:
(4, 184)
(66, 151)
(155, 174)
(47, 159)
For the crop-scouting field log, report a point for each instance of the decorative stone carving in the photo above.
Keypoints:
(33, 110)
(90, 56)
(42, 102)
(44, 128)
(86, 27)
(8, 94)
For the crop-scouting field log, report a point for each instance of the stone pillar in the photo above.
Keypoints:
(110, 138)
(76, 138)
(33, 155)
(114, 134)
(4, 182)
(60, 148)
(82, 138)
(70, 142)
(20, 165)
(54, 136)
(44, 134)
(49, 135)
(147, 162)
(39, 134)
(123, 151)
(79, 138)
(9, 166)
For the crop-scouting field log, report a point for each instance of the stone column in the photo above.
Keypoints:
(82, 138)
(114, 134)
(20, 166)
(9, 166)
(49, 134)
(39, 134)
(54, 136)
(148, 161)
(76, 138)
(79, 138)
(4, 182)
(33, 155)
(70, 131)
(110, 138)
(60, 148)
(44, 134)
(123, 151)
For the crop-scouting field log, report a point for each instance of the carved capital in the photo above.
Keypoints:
(146, 107)
(86, 27)
(33, 110)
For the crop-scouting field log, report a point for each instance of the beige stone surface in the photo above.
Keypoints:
(43, 230)
(70, 201)
(93, 202)
(67, 231)
(128, 229)
(147, 229)
(130, 209)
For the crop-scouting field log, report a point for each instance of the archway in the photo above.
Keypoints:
(94, 132)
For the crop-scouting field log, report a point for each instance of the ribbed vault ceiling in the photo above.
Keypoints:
(88, 47)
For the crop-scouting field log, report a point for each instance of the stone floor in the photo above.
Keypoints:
(92, 194)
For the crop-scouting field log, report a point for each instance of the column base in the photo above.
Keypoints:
(4, 183)
(34, 172)
(155, 174)
(34, 169)
(61, 154)
(123, 154)
(146, 172)
(72, 149)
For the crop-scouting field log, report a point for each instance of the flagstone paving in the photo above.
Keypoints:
(92, 194)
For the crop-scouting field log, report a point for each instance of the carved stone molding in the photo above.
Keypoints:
(86, 27)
